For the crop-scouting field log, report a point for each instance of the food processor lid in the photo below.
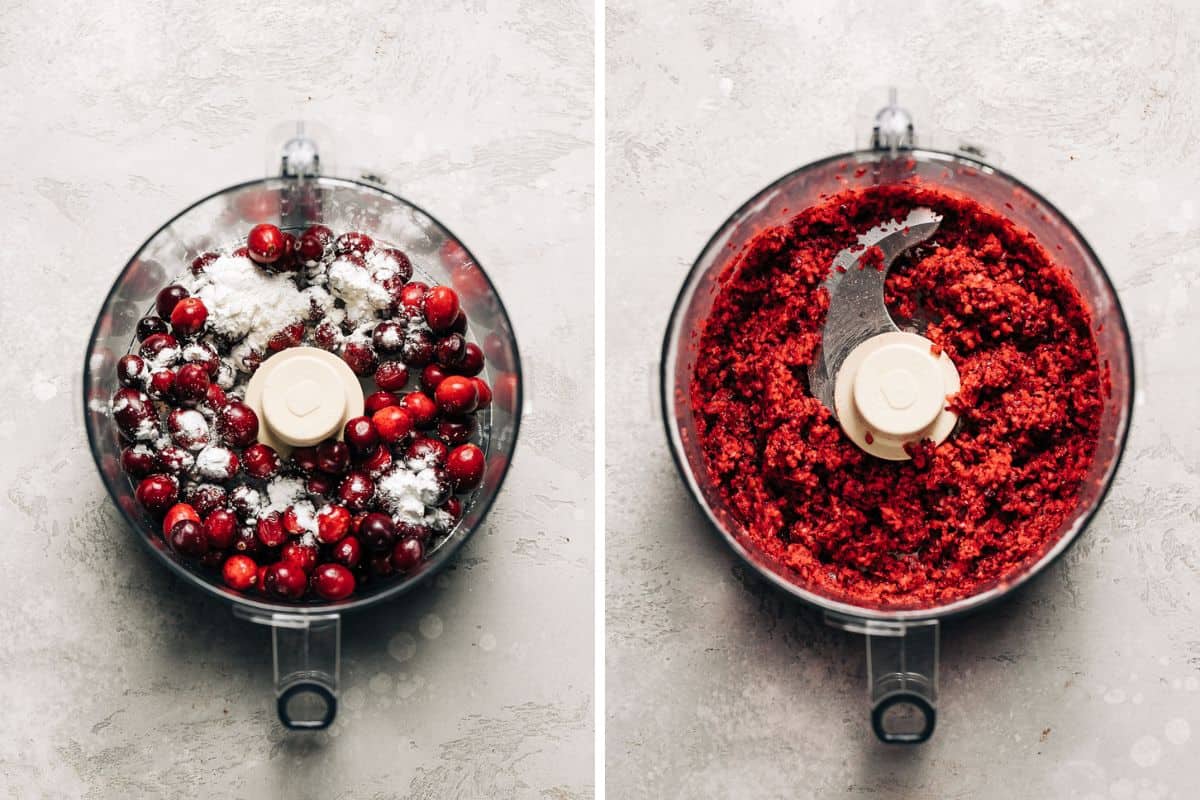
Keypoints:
(302, 396)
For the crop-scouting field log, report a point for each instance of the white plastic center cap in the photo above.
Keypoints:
(891, 390)
(303, 396)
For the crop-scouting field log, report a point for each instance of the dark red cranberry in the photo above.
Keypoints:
(333, 457)
(456, 395)
(175, 460)
(333, 522)
(238, 424)
(148, 326)
(420, 407)
(162, 384)
(202, 353)
(432, 377)
(131, 369)
(206, 497)
(188, 428)
(245, 500)
(441, 307)
(155, 344)
(427, 451)
(388, 337)
(407, 554)
(348, 551)
(288, 261)
(319, 484)
(391, 376)
(192, 382)
(357, 491)
(176, 514)
(139, 461)
(327, 337)
(456, 430)
(290, 336)
(292, 522)
(240, 572)
(167, 297)
(392, 423)
(265, 243)
(485, 393)
(360, 435)
(377, 462)
(418, 348)
(377, 400)
(261, 461)
(270, 530)
(212, 559)
(221, 528)
(380, 565)
(453, 507)
(450, 350)
(189, 316)
(134, 413)
(401, 263)
(247, 542)
(187, 538)
(465, 467)
(445, 488)
(460, 324)
(201, 262)
(157, 493)
(285, 581)
(353, 258)
(302, 555)
(360, 358)
(472, 361)
(333, 582)
(353, 242)
(217, 463)
(314, 243)
(377, 531)
(412, 296)
(422, 533)
(304, 459)
(215, 397)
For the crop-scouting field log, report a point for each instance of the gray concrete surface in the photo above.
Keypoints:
(1087, 685)
(116, 681)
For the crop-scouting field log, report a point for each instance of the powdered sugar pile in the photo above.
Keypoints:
(406, 493)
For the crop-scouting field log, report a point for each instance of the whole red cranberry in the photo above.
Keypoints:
(418, 348)
(178, 513)
(293, 523)
(377, 462)
(189, 316)
(360, 358)
(240, 572)
(288, 260)
(247, 542)
(162, 384)
(380, 565)
(327, 336)
(291, 336)
(353, 242)
(217, 463)
(377, 400)
(388, 337)
(285, 581)
(319, 483)
(200, 262)
(304, 460)
(465, 465)
(333, 582)
(441, 307)
(407, 554)
(472, 360)
(485, 393)
(265, 243)
(412, 296)
(406, 530)
(148, 326)
(221, 528)
(139, 461)
(460, 324)
(175, 460)
(134, 413)
(238, 424)
(353, 258)
(203, 353)
(302, 555)
(456, 430)
(157, 493)
(356, 491)
(392, 423)
(420, 407)
(391, 376)
(450, 350)
(333, 457)
(360, 435)
(401, 263)
(314, 243)
(444, 488)
(333, 522)
(188, 428)
(377, 532)
(270, 530)
(192, 382)
(348, 551)
(432, 377)
(426, 451)
(167, 297)
(206, 497)
(131, 369)
(453, 507)
(215, 397)
(187, 538)
(245, 500)
(261, 461)
(456, 395)
(155, 344)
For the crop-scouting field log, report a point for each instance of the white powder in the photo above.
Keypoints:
(215, 463)
(249, 497)
(191, 429)
(306, 516)
(147, 429)
(406, 493)
(358, 289)
(282, 493)
(162, 359)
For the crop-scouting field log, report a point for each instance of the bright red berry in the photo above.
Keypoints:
(240, 572)
(465, 465)
(189, 316)
(457, 395)
(333, 582)
(265, 243)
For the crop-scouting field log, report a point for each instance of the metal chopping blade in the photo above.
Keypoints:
(856, 308)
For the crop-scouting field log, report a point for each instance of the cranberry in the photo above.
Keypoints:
(221, 528)
(356, 491)
(215, 397)
(270, 530)
(406, 530)
(260, 579)
(246, 541)
(460, 324)
(238, 424)
(261, 461)
(291, 336)
(333, 522)
(377, 531)
(333, 582)
(178, 513)
(353, 242)
(175, 460)
(412, 296)
(200, 262)
(157, 493)
(206, 497)
(202, 353)
(245, 501)
(302, 555)
(148, 326)
(441, 307)
(465, 466)
(333, 457)
(319, 484)
(155, 344)
(443, 490)
(265, 243)
(304, 459)
(505, 390)
(453, 507)
(388, 337)
(485, 393)
(314, 243)
(348, 551)
(380, 565)
(392, 423)
(192, 382)
(432, 377)
(217, 463)
(285, 580)
(401, 263)
(472, 361)
(353, 258)
(360, 435)
(377, 400)
(457, 395)
(427, 452)
(360, 357)
(418, 348)
(212, 559)
(188, 428)
(391, 376)
(450, 350)
(240, 573)
(377, 462)
(422, 409)
(134, 413)
(292, 522)
(131, 369)
(288, 262)
(189, 316)
(327, 337)
(139, 461)
(456, 430)
(187, 538)
(165, 302)
(407, 554)
(162, 384)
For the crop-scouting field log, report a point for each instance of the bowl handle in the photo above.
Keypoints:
(307, 656)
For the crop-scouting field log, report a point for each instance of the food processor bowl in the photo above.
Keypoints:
(305, 636)
(901, 644)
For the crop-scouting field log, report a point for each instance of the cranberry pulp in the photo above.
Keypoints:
(957, 518)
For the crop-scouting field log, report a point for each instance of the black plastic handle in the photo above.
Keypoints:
(321, 692)
(903, 718)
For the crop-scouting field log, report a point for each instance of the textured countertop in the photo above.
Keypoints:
(1086, 684)
(117, 680)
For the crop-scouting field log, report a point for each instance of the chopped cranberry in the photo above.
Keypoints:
(178, 513)
(139, 461)
(200, 262)
(327, 337)
(333, 582)
(302, 555)
(391, 376)
(157, 493)
(187, 538)
(353, 242)
(215, 397)
(441, 307)
(450, 350)
(472, 361)
(148, 326)
(457, 394)
(388, 337)
(167, 297)
(378, 461)
(360, 357)
(270, 530)
(356, 491)
(319, 484)
(285, 580)
(221, 528)
(348, 551)
(392, 423)
(377, 532)
(456, 430)
(261, 461)
(485, 393)
(265, 243)
(240, 572)
(418, 348)
(360, 434)
(412, 296)
(155, 344)
(333, 457)
(238, 424)
(427, 452)
(377, 400)
(432, 377)
(192, 382)
(304, 459)
(407, 554)
(134, 413)
(131, 369)
(188, 428)
(333, 522)
(465, 466)
(314, 243)
(175, 460)
(189, 316)
(162, 384)
(420, 407)
(206, 497)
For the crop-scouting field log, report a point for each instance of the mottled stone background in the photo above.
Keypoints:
(1087, 685)
(116, 681)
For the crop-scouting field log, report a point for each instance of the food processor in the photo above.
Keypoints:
(306, 637)
(902, 645)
